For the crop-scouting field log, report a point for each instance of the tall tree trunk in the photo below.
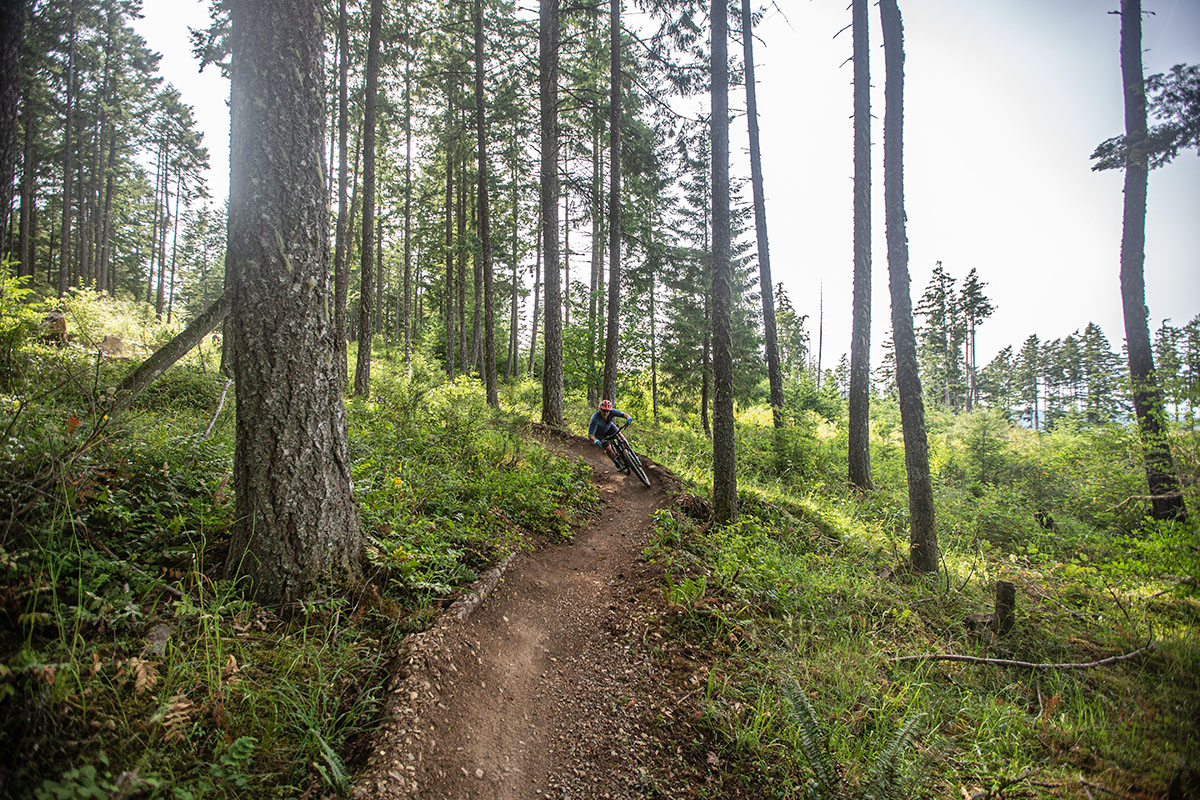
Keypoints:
(28, 189)
(64, 268)
(485, 231)
(450, 362)
(860, 336)
(597, 257)
(724, 449)
(362, 365)
(160, 296)
(537, 285)
(510, 371)
(297, 526)
(923, 542)
(566, 196)
(612, 337)
(461, 222)
(1167, 502)
(408, 327)
(341, 263)
(174, 243)
(12, 28)
(552, 371)
(766, 287)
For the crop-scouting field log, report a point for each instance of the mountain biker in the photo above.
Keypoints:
(602, 427)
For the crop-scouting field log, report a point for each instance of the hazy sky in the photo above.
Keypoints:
(1004, 102)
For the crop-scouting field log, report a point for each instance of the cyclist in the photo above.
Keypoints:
(602, 427)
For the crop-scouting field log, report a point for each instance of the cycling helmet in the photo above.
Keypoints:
(606, 405)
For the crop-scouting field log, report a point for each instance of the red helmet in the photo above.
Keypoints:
(606, 405)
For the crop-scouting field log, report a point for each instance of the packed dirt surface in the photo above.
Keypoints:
(545, 689)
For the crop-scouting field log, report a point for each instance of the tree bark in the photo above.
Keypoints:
(537, 286)
(612, 336)
(766, 287)
(724, 449)
(923, 545)
(860, 338)
(485, 232)
(408, 326)
(366, 330)
(552, 370)
(341, 268)
(297, 526)
(1167, 500)
(12, 28)
(450, 362)
(64, 268)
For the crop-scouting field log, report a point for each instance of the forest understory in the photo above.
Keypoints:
(760, 659)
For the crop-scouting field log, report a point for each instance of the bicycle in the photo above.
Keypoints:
(627, 458)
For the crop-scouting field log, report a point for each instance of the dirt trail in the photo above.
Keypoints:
(539, 692)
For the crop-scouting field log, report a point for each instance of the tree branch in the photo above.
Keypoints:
(1004, 662)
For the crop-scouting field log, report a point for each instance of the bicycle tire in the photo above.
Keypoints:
(636, 463)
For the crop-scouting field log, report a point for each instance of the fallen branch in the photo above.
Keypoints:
(162, 358)
(1004, 662)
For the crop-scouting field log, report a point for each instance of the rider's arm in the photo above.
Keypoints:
(593, 426)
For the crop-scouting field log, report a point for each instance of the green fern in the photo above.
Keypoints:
(887, 774)
(814, 743)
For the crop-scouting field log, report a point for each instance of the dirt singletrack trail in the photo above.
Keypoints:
(539, 692)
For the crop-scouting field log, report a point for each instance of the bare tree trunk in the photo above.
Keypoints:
(297, 526)
(612, 337)
(485, 232)
(408, 326)
(450, 362)
(537, 286)
(552, 372)
(341, 268)
(12, 27)
(766, 287)
(1167, 502)
(597, 250)
(64, 269)
(923, 542)
(725, 507)
(860, 338)
(164, 357)
(510, 371)
(366, 330)
(28, 183)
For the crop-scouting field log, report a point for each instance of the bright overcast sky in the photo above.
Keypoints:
(1005, 100)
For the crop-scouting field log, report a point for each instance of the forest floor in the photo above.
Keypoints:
(558, 685)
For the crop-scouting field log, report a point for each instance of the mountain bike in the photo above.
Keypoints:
(626, 457)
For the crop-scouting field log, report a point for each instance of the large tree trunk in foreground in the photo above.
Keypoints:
(552, 370)
(297, 526)
(1167, 500)
(860, 336)
(724, 450)
(766, 287)
(923, 546)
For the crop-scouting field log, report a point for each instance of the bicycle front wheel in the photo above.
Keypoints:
(636, 464)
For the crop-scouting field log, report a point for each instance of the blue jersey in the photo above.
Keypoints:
(601, 428)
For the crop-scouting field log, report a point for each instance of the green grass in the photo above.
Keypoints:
(808, 590)
(125, 655)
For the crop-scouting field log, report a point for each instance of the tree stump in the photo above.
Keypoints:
(1006, 606)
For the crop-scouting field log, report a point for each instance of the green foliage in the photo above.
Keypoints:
(20, 316)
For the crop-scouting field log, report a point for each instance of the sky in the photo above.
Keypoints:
(1004, 102)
